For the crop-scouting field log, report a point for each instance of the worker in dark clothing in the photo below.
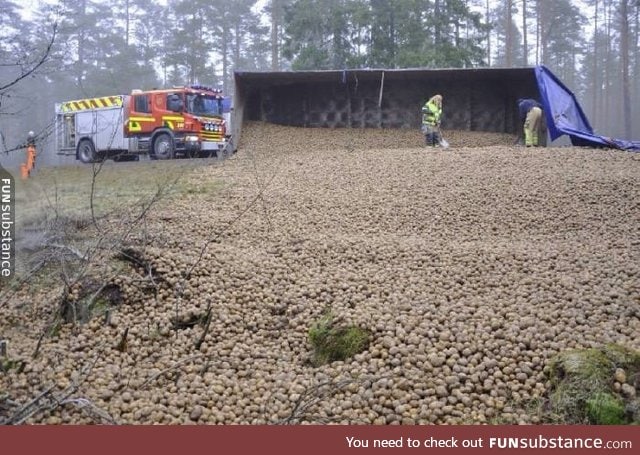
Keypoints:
(531, 114)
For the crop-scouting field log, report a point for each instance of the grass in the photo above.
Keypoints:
(54, 210)
(10, 364)
(333, 342)
(605, 409)
(582, 385)
(67, 190)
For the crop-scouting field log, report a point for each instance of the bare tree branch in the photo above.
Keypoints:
(37, 65)
(48, 400)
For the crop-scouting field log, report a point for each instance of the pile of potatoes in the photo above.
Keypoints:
(470, 266)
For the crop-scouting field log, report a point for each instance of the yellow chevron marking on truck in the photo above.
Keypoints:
(135, 123)
(92, 103)
(173, 121)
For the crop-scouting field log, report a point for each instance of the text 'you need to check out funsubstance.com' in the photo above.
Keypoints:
(537, 442)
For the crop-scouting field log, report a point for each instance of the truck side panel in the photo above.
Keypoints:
(85, 125)
(109, 130)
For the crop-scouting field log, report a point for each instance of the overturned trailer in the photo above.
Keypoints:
(475, 99)
(479, 99)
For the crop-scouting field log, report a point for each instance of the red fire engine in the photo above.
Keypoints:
(183, 121)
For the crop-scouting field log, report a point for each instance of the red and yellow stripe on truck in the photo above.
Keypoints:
(92, 103)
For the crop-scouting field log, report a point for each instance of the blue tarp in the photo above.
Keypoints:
(565, 116)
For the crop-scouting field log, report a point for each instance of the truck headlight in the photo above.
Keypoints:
(191, 138)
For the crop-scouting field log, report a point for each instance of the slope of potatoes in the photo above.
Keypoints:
(471, 267)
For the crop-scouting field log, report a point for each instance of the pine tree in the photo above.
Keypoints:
(561, 37)
(508, 37)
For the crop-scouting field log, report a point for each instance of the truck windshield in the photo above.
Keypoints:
(203, 105)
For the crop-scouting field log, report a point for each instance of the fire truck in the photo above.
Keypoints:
(165, 124)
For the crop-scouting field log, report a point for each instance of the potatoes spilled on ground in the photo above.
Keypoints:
(469, 268)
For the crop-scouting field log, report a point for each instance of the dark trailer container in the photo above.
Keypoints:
(478, 99)
(475, 99)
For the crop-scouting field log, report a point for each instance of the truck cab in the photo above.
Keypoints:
(181, 121)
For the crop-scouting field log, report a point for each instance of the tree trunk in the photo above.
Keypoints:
(392, 39)
(624, 50)
(126, 21)
(543, 34)
(488, 36)
(224, 47)
(525, 46)
(438, 31)
(508, 34)
(595, 77)
(275, 24)
(538, 56)
(81, 44)
(237, 43)
(636, 71)
(606, 111)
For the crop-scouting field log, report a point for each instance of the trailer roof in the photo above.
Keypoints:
(275, 77)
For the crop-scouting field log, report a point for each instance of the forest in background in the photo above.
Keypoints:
(69, 49)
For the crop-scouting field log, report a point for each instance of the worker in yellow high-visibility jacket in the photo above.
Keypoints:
(431, 115)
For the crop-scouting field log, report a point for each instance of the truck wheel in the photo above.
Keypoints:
(163, 148)
(87, 151)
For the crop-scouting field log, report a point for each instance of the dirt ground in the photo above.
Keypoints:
(470, 267)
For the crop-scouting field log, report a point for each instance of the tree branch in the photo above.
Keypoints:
(40, 62)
